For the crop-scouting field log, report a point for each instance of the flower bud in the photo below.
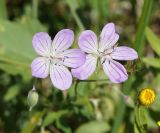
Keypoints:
(32, 98)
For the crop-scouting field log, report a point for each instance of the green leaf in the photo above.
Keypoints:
(65, 128)
(154, 62)
(16, 52)
(140, 119)
(87, 109)
(32, 25)
(140, 114)
(93, 127)
(136, 129)
(153, 40)
(11, 93)
(16, 69)
(81, 89)
(53, 116)
(33, 122)
(142, 24)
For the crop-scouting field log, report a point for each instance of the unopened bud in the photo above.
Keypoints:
(32, 98)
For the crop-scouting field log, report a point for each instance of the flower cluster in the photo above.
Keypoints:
(55, 57)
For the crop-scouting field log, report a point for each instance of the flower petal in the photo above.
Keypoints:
(86, 69)
(108, 37)
(115, 71)
(41, 43)
(60, 77)
(63, 40)
(88, 41)
(124, 53)
(108, 29)
(40, 67)
(74, 58)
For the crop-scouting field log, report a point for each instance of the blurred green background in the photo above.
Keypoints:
(94, 106)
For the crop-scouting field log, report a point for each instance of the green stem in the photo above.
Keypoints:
(94, 80)
(76, 17)
(75, 88)
(35, 8)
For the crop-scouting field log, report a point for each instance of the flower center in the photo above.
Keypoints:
(57, 59)
(105, 55)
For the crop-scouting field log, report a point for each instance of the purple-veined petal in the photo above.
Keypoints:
(63, 40)
(107, 30)
(41, 43)
(108, 37)
(124, 53)
(60, 76)
(108, 43)
(115, 71)
(86, 69)
(40, 67)
(88, 41)
(74, 58)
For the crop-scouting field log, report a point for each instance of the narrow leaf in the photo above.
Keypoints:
(143, 22)
(153, 40)
(154, 62)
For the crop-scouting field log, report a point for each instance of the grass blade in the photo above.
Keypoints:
(140, 34)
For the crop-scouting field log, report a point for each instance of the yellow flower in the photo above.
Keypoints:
(158, 123)
(146, 96)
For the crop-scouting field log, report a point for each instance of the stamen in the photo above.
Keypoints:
(66, 56)
(104, 61)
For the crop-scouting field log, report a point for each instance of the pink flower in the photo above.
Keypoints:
(55, 57)
(103, 48)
